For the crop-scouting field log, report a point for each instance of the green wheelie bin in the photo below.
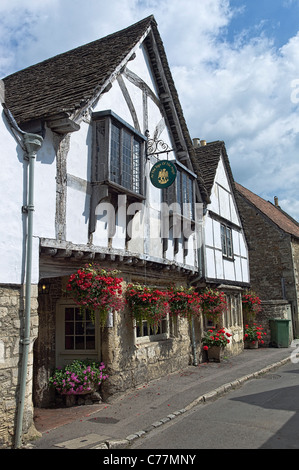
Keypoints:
(279, 333)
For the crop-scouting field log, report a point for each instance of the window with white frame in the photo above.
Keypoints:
(226, 241)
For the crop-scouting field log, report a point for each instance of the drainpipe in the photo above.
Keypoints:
(32, 144)
(199, 217)
(194, 343)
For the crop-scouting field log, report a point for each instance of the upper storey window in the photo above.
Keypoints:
(118, 152)
(227, 241)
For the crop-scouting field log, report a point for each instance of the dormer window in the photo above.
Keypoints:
(118, 154)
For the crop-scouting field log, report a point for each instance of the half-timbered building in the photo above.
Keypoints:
(90, 126)
(225, 252)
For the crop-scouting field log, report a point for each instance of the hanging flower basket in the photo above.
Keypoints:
(78, 378)
(251, 304)
(97, 289)
(213, 303)
(146, 304)
(184, 302)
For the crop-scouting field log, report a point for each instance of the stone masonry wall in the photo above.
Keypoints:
(273, 309)
(269, 253)
(270, 258)
(295, 251)
(131, 364)
(11, 324)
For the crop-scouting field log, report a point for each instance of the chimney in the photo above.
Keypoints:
(196, 142)
(276, 201)
(203, 143)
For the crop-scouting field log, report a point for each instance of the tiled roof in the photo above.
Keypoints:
(207, 160)
(68, 81)
(273, 212)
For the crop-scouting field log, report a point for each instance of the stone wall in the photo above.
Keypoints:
(129, 362)
(11, 324)
(295, 251)
(273, 309)
(272, 258)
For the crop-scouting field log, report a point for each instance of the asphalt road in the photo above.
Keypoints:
(262, 414)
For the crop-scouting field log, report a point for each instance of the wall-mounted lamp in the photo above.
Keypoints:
(43, 288)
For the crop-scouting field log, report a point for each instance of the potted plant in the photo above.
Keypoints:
(78, 377)
(184, 302)
(146, 303)
(214, 342)
(213, 303)
(253, 336)
(251, 304)
(97, 289)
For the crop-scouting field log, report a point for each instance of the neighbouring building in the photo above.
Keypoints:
(273, 243)
(225, 254)
(81, 133)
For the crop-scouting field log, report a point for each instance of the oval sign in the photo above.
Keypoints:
(163, 174)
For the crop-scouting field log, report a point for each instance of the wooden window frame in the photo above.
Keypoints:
(111, 155)
(227, 242)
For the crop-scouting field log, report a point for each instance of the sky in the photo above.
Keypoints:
(235, 64)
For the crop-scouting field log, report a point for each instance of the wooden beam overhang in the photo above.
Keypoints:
(67, 258)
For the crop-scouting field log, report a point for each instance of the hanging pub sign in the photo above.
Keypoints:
(163, 174)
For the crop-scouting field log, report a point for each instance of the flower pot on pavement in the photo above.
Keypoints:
(215, 353)
(251, 344)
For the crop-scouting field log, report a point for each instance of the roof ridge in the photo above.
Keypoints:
(71, 77)
(275, 214)
(146, 20)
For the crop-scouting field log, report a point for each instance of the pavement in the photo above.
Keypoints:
(118, 422)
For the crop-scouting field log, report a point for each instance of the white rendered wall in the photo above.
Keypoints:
(223, 204)
(12, 199)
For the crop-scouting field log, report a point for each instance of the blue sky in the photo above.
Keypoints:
(235, 64)
(278, 19)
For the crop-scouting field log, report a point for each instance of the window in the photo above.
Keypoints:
(233, 313)
(180, 200)
(226, 241)
(168, 327)
(118, 154)
(79, 330)
(185, 194)
(146, 330)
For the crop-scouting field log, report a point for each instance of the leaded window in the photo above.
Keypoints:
(226, 241)
(118, 157)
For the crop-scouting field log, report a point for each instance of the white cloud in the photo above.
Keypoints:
(239, 92)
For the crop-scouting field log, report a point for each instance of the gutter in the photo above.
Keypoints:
(30, 143)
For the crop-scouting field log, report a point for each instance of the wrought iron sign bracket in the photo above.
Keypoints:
(155, 147)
